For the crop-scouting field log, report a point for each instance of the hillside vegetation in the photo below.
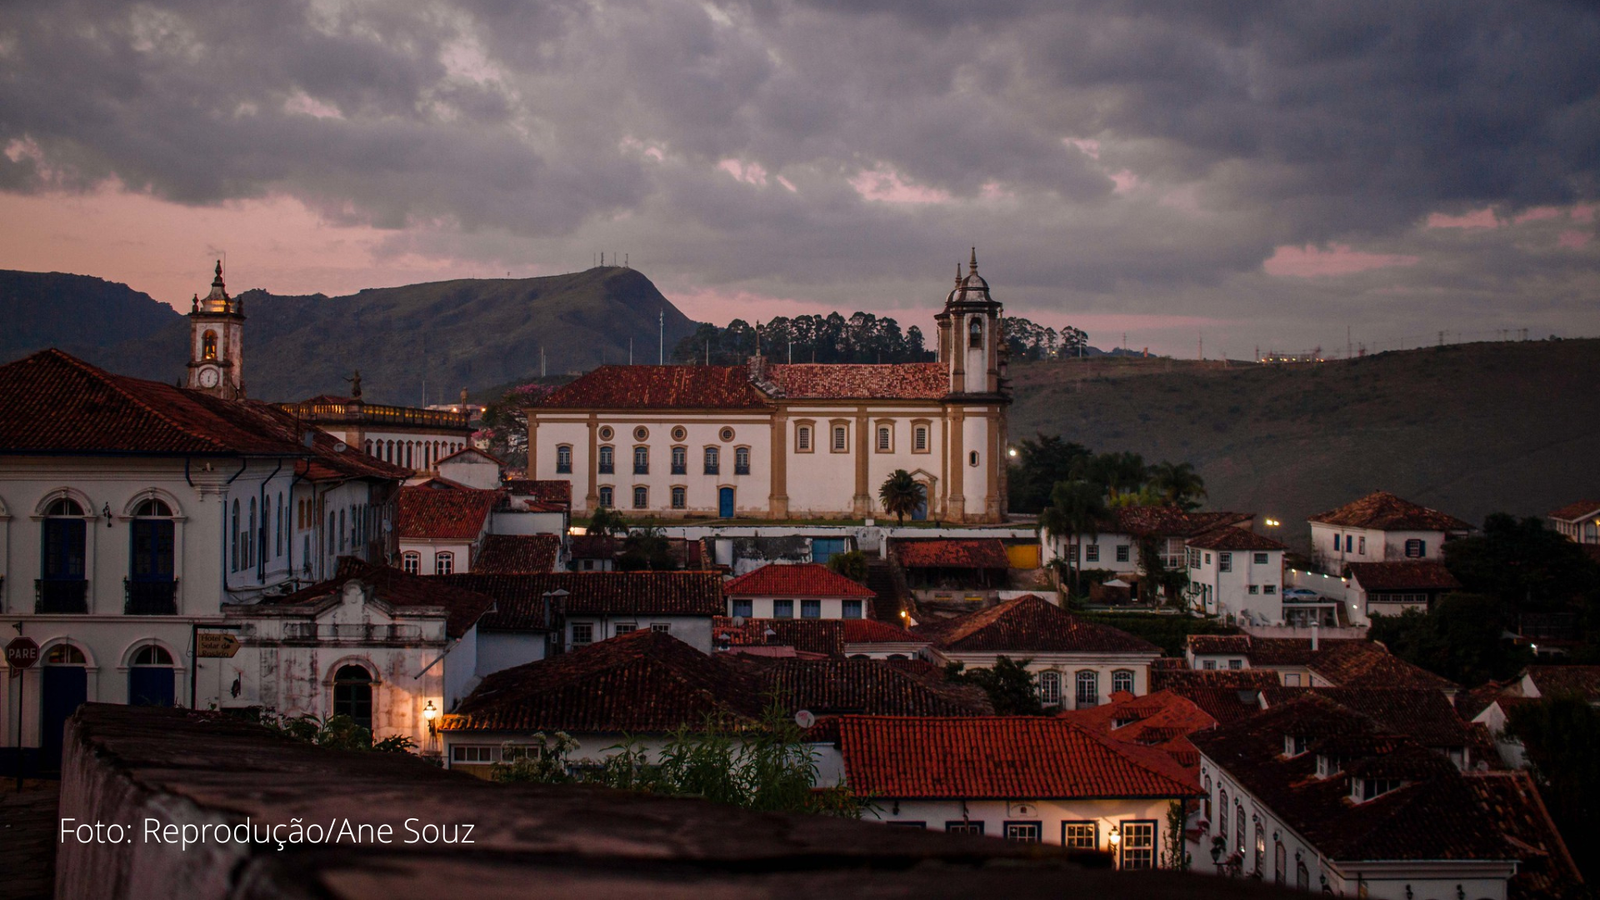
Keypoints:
(471, 333)
(1466, 428)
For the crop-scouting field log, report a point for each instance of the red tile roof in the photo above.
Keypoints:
(828, 637)
(1030, 625)
(1162, 719)
(643, 682)
(1577, 512)
(543, 491)
(971, 553)
(795, 580)
(469, 451)
(1169, 521)
(519, 599)
(1000, 757)
(1582, 681)
(462, 608)
(659, 387)
(1414, 575)
(1234, 538)
(517, 554)
(1386, 512)
(452, 515)
(1356, 664)
(872, 631)
(860, 686)
(1383, 828)
(1512, 800)
(1425, 716)
(902, 381)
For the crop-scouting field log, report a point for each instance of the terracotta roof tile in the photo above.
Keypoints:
(860, 686)
(1583, 681)
(1162, 719)
(1227, 695)
(517, 554)
(1355, 664)
(872, 631)
(828, 637)
(1413, 575)
(426, 514)
(1234, 538)
(1002, 757)
(1512, 800)
(1577, 512)
(519, 599)
(1030, 625)
(659, 387)
(1384, 511)
(463, 608)
(544, 491)
(1426, 716)
(970, 553)
(796, 580)
(901, 381)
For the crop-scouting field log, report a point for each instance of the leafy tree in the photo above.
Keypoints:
(1523, 564)
(1560, 735)
(608, 521)
(852, 565)
(1178, 484)
(1010, 686)
(1155, 577)
(900, 495)
(1117, 472)
(646, 548)
(1076, 508)
(1042, 461)
(337, 733)
(1459, 639)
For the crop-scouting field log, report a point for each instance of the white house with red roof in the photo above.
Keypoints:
(803, 591)
(442, 527)
(1381, 527)
(1021, 778)
(1579, 522)
(132, 510)
(1237, 574)
(790, 440)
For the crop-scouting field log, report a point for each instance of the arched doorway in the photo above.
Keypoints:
(150, 678)
(64, 686)
(352, 694)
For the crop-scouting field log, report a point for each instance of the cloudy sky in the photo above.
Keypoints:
(1251, 173)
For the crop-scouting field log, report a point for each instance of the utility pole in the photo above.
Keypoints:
(661, 337)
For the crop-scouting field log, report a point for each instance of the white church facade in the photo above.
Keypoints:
(790, 441)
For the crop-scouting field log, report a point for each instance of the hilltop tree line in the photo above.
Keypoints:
(861, 338)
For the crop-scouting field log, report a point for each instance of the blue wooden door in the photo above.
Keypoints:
(725, 502)
(151, 686)
(64, 689)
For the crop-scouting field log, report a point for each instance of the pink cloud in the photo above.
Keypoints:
(1312, 262)
(1124, 180)
(885, 184)
(1573, 240)
(1538, 214)
(1483, 218)
(1584, 212)
(749, 173)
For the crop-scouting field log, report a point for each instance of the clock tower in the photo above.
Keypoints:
(216, 351)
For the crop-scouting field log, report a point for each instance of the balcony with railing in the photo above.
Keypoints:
(61, 595)
(150, 598)
(370, 415)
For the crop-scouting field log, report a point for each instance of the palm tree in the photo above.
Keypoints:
(901, 494)
(1179, 484)
(1076, 508)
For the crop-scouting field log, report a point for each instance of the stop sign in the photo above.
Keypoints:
(22, 653)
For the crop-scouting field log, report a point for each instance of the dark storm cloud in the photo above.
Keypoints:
(1137, 156)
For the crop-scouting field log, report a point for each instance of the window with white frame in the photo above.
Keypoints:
(411, 562)
(1091, 552)
(444, 563)
(1088, 688)
(1138, 845)
(1024, 832)
(582, 633)
(1124, 551)
(1122, 680)
(1080, 835)
(1050, 688)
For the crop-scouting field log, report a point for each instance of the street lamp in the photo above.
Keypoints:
(430, 713)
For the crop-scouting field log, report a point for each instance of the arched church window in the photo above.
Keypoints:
(208, 345)
(975, 333)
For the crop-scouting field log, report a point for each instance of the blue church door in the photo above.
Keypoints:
(725, 502)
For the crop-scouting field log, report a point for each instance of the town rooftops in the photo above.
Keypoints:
(1234, 538)
(400, 592)
(520, 599)
(1554, 681)
(644, 682)
(1170, 521)
(958, 553)
(862, 686)
(827, 637)
(901, 381)
(1411, 575)
(1161, 719)
(517, 554)
(1580, 511)
(1001, 758)
(470, 453)
(1513, 802)
(1423, 715)
(658, 387)
(443, 515)
(1026, 625)
(1435, 814)
(559, 492)
(795, 580)
(1345, 662)
(1384, 511)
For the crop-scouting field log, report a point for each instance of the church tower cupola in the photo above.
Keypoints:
(971, 340)
(216, 352)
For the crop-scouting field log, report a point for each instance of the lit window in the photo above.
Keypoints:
(1023, 832)
(208, 346)
(411, 563)
(1080, 835)
(444, 563)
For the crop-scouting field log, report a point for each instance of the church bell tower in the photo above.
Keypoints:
(216, 351)
(971, 343)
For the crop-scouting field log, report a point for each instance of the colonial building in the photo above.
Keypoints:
(781, 441)
(1578, 522)
(1381, 527)
(1237, 574)
(806, 591)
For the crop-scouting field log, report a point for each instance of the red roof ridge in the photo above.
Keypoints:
(114, 381)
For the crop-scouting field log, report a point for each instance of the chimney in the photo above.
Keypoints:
(1314, 634)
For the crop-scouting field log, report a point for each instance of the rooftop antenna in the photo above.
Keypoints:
(661, 335)
(630, 351)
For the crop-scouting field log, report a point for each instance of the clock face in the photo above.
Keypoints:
(209, 377)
